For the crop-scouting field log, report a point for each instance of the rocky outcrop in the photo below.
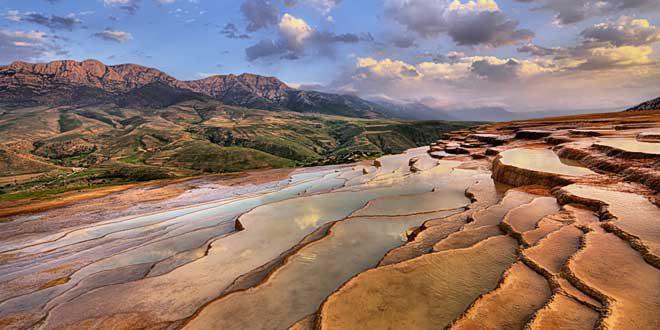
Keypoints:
(532, 134)
(591, 132)
(649, 137)
(492, 139)
(90, 73)
(648, 105)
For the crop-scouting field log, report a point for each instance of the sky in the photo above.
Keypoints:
(521, 55)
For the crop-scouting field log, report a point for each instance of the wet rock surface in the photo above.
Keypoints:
(549, 224)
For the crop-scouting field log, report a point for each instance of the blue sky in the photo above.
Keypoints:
(522, 55)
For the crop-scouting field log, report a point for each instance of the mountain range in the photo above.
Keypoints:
(91, 82)
(69, 125)
(420, 111)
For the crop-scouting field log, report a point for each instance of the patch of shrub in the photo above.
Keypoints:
(137, 173)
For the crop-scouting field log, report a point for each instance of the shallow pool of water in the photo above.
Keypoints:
(631, 145)
(541, 160)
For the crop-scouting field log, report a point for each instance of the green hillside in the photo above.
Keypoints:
(88, 146)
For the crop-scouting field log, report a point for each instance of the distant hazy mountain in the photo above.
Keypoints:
(412, 110)
(648, 105)
(561, 113)
(92, 82)
(485, 114)
(421, 111)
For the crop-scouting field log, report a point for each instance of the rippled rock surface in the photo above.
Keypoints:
(527, 225)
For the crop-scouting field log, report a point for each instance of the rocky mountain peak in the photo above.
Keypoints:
(88, 73)
(92, 82)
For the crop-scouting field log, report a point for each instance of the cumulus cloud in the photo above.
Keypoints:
(586, 75)
(27, 46)
(624, 31)
(537, 50)
(496, 70)
(53, 22)
(402, 41)
(456, 80)
(296, 38)
(573, 11)
(456, 70)
(259, 14)
(264, 48)
(114, 35)
(294, 31)
(130, 6)
(604, 46)
(479, 22)
(13, 15)
(369, 68)
(602, 58)
(324, 6)
(231, 31)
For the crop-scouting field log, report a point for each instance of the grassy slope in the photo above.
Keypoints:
(78, 148)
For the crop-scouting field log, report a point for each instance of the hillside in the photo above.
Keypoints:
(648, 105)
(66, 147)
(91, 82)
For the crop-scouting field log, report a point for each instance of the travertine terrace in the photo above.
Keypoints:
(546, 224)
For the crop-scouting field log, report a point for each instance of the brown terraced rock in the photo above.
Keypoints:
(532, 134)
(524, 218)
(483, 194)
(649, 136)
(466, 238)
(629, 286)
(564, 312)
(521, 293)
(493, 139)
(631, 217)
(591, 132)
(558, 139)
(574, 246)
(645, 171)
(420, 293)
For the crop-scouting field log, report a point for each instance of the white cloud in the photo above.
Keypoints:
(518, 84)
(294, 30)
(27, 46)
(624, 31)
(473, 6)
(574, 11)
(129, 5)
(297, 38)
(114, 35)
(477, 22)
(13, 15)
(323, 6)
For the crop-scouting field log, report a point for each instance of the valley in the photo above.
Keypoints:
(134, 131)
